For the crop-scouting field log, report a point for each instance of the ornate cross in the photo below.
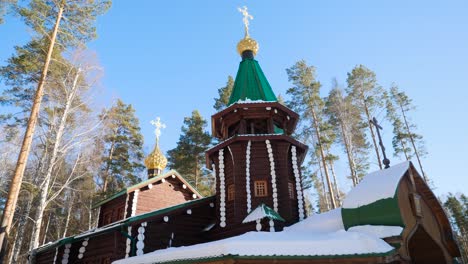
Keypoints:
(246, 18)
(386, 161)
(159, 125)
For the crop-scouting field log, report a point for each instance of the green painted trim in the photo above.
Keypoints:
(269, 213)
(381, 212)
(293, 257)
(118, 226)
(251, 83)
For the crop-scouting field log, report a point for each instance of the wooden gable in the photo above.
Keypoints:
(163, 191)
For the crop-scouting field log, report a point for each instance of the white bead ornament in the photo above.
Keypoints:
(300, 195)
(273, 175)
(247, 177)
(222, 188)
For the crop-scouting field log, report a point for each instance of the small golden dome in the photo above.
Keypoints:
(247, 43)
(156, 160)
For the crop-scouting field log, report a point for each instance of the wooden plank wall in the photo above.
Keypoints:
(162, 195)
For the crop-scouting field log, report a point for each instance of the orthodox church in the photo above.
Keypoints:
(258, 212)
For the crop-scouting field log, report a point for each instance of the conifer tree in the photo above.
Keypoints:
(400, 139)
(122, 163)
(188, 156)
(404, 105)
(76, 29)
(306, 101)
(367, 96)
(458, 211)
(349, 128)
(223, 94)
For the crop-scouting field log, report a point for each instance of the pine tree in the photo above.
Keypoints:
(76, 29)
(400, 139)
(366, 95)
(458, 209)
(4, 6)
(404, 105)
(123, 143)
(349, 128)
(188, 156)
(306, 101)
(223, 94)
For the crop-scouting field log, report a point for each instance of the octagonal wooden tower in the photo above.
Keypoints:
(257, 164)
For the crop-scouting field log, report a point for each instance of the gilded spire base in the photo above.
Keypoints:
(247, 43)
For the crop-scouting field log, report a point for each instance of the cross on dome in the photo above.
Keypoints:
(245, 19)
(159, 125)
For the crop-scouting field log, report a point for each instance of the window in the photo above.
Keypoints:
(120, 213)
(107, 218)
(261, 189)
(291, 190)
(231, 193)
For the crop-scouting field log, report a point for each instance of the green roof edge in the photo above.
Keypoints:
(363, 214)
(118, 225)
(197, 260)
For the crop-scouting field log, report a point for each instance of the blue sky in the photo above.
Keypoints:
(167, 58)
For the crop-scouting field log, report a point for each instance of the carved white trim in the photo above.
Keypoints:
(247, 177)
(222, 188)
(66, 254)
(258, 226)
(297, 176)
(141, 239)
(274, 189)
(135, 202)
(128, 248)
(82, 249)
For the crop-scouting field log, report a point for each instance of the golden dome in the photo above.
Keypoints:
(247, 43)
(156, 160)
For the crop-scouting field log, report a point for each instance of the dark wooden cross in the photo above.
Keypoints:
(386, 161)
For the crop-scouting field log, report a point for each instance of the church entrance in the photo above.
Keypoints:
(423, 249)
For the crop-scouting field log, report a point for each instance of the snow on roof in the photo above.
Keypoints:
(375, 186)
(319, 223)
(250, 101)
(378, 231)
(318, 235)
(261, 212)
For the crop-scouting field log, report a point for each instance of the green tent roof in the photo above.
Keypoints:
(251, 83)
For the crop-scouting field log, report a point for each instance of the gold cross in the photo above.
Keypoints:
(159, 125)
(245, 19)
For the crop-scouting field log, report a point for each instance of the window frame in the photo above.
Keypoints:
(264, 188)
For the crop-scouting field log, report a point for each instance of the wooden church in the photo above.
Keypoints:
(258, 213)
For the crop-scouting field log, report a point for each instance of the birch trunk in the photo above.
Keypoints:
(21, 228)
(69, 212)
(53, 159)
